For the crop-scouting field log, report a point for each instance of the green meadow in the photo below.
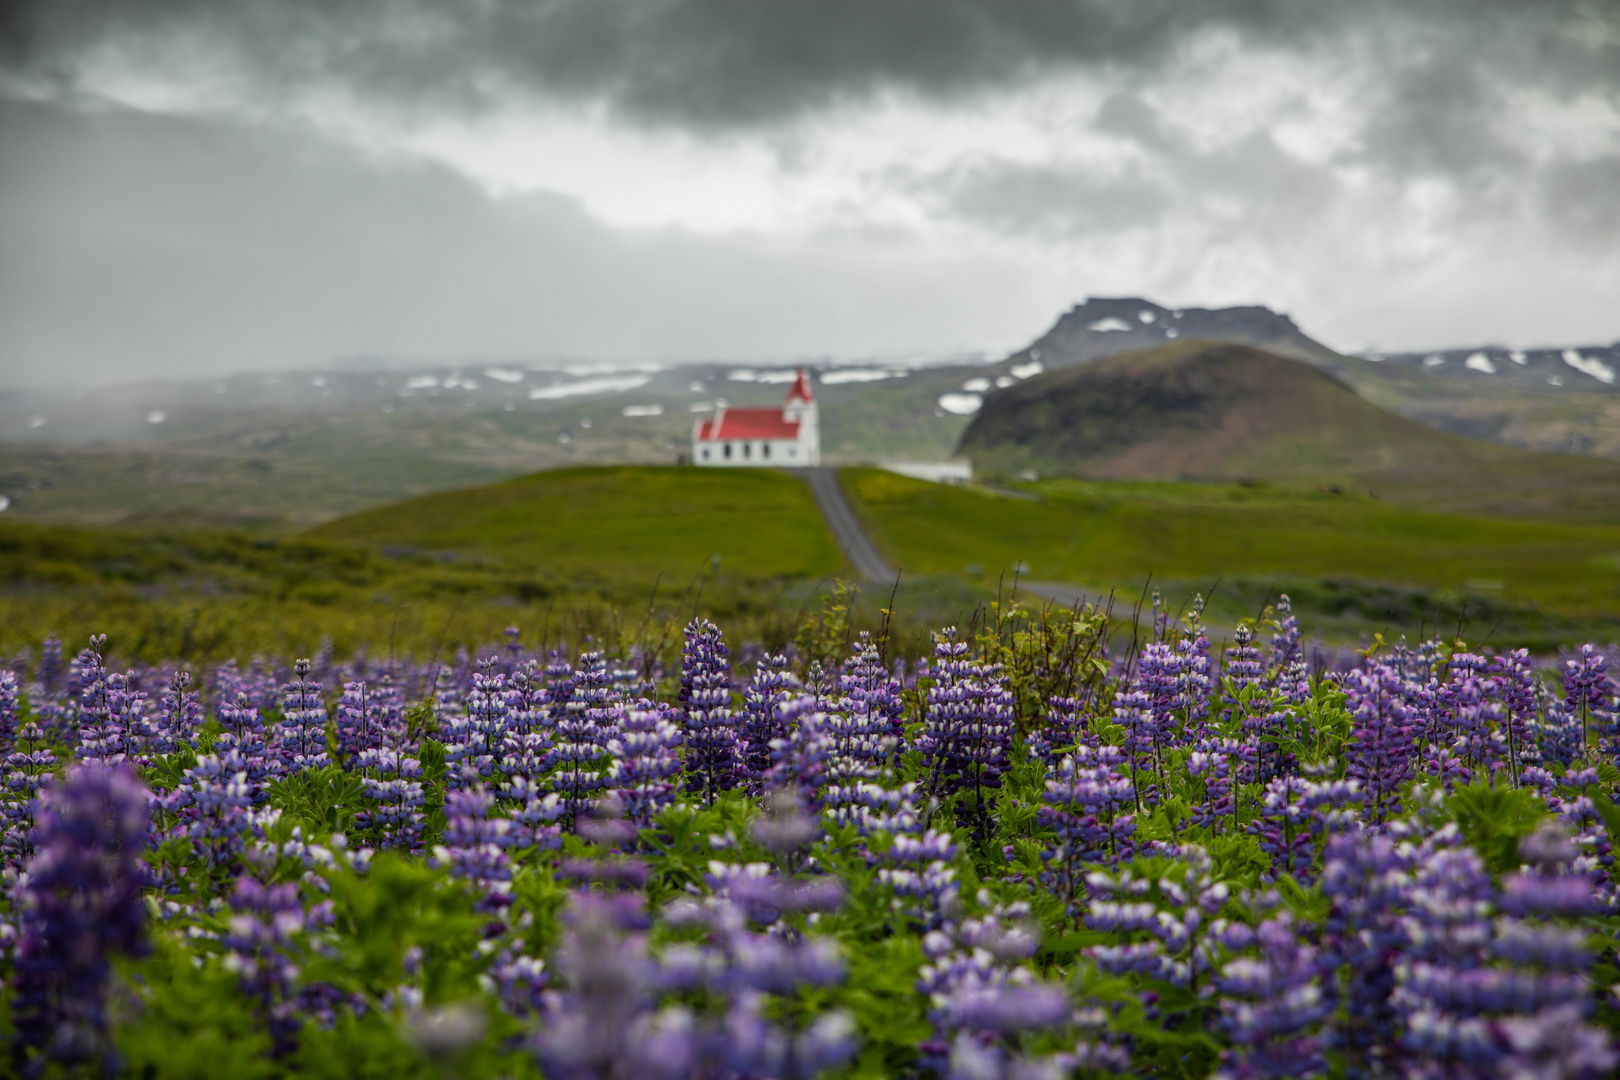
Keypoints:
(623, 554)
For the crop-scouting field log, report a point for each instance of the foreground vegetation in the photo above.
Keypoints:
(1029, 855)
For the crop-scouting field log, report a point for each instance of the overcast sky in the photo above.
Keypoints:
(199, 186)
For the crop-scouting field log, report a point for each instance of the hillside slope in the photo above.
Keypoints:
(1199, 410)
(626, 521)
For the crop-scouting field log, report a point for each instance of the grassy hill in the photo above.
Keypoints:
(1197, 410)
(625, 522)
(1344, 555)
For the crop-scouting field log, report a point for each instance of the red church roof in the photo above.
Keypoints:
(747, 424)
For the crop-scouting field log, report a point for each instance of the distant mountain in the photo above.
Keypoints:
(1198, 410)
(1103, 327)
(1586, 367)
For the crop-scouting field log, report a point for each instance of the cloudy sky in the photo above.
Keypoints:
(197, 186)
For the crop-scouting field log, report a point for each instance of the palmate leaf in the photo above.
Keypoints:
(1494, 817)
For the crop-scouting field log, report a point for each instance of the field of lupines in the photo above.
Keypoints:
(1028, 856)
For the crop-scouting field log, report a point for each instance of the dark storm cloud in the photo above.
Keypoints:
(134, 245)
(719, 64)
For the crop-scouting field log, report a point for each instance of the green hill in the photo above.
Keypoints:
(625, 522)
(1344, 555)
(1199, 410)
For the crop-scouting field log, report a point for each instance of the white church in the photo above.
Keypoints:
(789, 436)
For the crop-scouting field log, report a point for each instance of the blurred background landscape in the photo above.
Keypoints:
(311, 324)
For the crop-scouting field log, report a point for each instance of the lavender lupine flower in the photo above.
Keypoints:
(1172, 911)
(705, 699)
(81, 905)
(1285, 643)
(242, 731)
(212, 803)
(1366, 879)
(762, 722)
(475, 850)
(1271, 1006)
(359, 723)
(967, 731)
(1217, 762)
(393, 783)
(1589, 696)
(1161, 675)
(302, 739)
(1061, 728)
(265, 931)
(534, 813)
(26, 768)
(646, 766)
(871, 695)
(1468, 716)
(1244, 666)
(112, 712)
(48, 676)
(1517, 684)
(604, 1026)
(10, 709)
(473, 740)
(1087, 799)
(179, 714)
(976, 984)
(579, 748)
(1560, 733)
(1379, 751)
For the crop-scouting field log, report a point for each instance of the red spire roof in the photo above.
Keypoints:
(800, 389)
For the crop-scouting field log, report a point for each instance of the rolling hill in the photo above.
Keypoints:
(1199, 410)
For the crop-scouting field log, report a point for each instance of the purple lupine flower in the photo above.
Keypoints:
(243, 733)
(10, 708)
(1366, 879)
(1379, 750)
(301, 741)
(801, 760)
(1517, 684)
(762, 722)
(1244, 666)
(1589, 695)
(48, 676)
(179, 714)
(212, 802)
(1087, 799)
(1217, 763)
(1173, 911)
(646, 766)
(579, 748)
(81, 905)
(705, 700)
(475, 850)
(1285, 643)
(265, 929)
(474, 739)
(359, 723)
(393, 784)
(967, 731)
(1271, 1007)
(26, 769)
(974, 971)
(871, 695)
(1060, 729)
(1560, 733)
(111, 711)
(605, 1024)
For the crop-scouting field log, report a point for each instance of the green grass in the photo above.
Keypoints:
(1103, 535)
(621, 522)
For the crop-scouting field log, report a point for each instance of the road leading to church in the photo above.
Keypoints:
(845, 526)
